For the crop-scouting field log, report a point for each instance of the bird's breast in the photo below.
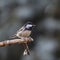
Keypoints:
(24, 33)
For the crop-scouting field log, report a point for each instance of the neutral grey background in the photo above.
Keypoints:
(45, 14)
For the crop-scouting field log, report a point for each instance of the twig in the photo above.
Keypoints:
(26, 51)
(14, 41)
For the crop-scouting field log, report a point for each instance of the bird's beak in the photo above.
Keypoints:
(33, 25)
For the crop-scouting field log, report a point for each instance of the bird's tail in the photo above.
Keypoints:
(14, 36)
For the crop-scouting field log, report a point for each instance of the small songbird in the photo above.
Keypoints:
(23, 32)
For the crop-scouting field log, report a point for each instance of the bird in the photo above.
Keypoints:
(23, 32)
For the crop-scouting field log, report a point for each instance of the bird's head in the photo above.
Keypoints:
(29, 25)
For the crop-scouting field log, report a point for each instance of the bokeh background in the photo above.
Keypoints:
(45, 14)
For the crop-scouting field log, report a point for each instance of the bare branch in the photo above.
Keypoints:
(14, 41)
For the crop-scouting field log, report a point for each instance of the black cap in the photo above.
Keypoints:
(29, 22)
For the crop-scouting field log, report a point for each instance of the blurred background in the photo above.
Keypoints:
(45, 14)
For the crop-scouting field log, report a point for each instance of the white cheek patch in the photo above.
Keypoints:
(28, 26)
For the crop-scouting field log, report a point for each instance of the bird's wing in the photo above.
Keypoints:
(21, 29)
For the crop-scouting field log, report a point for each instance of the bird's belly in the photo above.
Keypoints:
(25, 33)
